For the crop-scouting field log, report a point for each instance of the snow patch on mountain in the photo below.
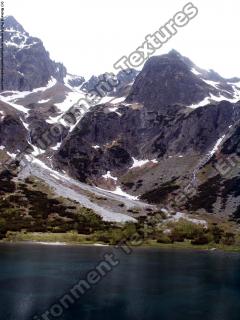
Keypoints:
(122, 193)
(108, 175)
(114, 109)
(37, 151)
(140, 163)
(19, 40)
(18, 107)
(11, 155)
(44, 101)
(195, 71)
(71, 99)
(13, 96)
(57, 146)
(214, 98)
(216, 146)
(212, 83)
(26, 125)
(112, 100)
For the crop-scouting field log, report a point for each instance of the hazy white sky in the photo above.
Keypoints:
(89, 36)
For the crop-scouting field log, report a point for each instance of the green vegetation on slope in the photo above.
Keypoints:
(31, 206)
(30, 211)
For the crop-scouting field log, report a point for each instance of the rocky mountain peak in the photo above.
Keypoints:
(27, 64)
(168, 80)
(11, 24)
(123, 78)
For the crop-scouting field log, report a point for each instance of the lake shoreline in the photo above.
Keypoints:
(175, 246)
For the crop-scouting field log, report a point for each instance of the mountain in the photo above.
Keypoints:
(172, 118)
(172, 79)
(218, 178)
(124, 79)
(36, 115)
(35, 89)
(154, 121)
(27, 64)
(162, 130)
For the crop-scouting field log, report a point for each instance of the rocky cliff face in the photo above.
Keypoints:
(164, 136)
(153, 122)
(122, 82)
(13, 134)
(162, 129)
(218, 180)
(27, 64)
(167, 80)
(108, 139)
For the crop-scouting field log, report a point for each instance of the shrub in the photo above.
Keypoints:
(2, 225)
(112, 236)
(163, 238)
(229, 239)
(129, 230)
(176, 236)
(88, 221)
(217, 232)
(184, 229)
(201, 240)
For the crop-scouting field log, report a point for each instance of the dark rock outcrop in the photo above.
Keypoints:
(76, 81)
(27, 64)
(141, 134)
(168, 80)
(13, 135)
(115, 85)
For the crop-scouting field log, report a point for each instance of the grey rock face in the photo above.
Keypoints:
(13, 135)
(116, 85)
(76, 81)
(27, 64)
(168, 80)
(140, 134)
(153, 123)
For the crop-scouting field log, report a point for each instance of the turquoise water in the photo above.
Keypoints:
(147, 284)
